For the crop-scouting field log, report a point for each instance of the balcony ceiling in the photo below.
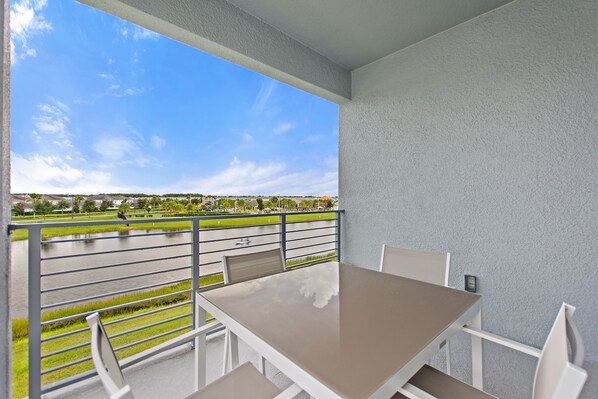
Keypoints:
(353, 33)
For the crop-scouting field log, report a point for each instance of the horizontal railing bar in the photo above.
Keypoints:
(87, 343)
(134, 262)
(173, 232)
(141, 341)
(114, 293)
(211, 285)
(313, 221)
(312, 229)
(247, 226)
(310, 254)
(109, 280)
(210, 263)
(164, 220)
(116, 251)
(312, 245)
(239, 237)
(115, 307)
(92, 373)
(237, 248)
(65, 365)
(152, 325)
(136, 316)
(310, 237)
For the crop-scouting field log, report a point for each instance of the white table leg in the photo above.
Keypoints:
(476, 354)
(234, 351)
(200, 350)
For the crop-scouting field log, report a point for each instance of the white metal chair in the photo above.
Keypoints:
(429, 267)
(238, 268)
(556, 376)
(244, 381)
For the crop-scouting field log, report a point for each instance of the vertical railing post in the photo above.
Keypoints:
(34, 306)
(195, 266)
(338, 236)
(283, 236)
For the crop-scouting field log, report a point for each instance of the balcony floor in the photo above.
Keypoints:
(170, 375)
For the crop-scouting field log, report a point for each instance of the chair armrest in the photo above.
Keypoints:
(173, 343)
(509, 343)
(290, 392)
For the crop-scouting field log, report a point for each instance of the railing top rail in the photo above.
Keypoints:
(45, 225)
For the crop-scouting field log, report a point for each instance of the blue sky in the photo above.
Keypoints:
(101, 105)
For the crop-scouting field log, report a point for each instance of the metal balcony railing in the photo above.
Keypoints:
(141, 280)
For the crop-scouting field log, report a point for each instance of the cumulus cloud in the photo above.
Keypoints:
(250, 178)
(121, 150)
(116, 90)
(157, 142)
(26, 21)
(283, 127)
(54, 174)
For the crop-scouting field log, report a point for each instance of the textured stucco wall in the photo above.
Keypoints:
(483, 141)
(224, 30)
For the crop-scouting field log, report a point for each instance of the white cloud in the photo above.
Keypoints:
(115, 90)
(121, 150)
(26, 21)
(140, 33)
(157, 142)
(106, 76)
(53, 120)
(283, 127)
(247, 138)
(262, 97)
(250, 178)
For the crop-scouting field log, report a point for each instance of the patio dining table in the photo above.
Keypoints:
(340, 331)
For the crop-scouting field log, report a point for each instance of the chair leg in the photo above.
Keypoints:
(447, 349)
(225, 360)
(262, 365)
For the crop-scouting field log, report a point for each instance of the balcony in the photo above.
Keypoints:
(464, 126)
(140, 280)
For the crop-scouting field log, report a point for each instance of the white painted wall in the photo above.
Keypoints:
(483, 141)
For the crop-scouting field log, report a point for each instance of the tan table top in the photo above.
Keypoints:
(350, 328)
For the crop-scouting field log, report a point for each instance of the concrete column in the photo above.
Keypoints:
(5, 205)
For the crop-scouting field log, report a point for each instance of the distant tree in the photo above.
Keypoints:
(142, 203)
(106, 204)
(77, 203)
(260, 204)
(196, 200)
(274, 201)
(43, 207)
(291, 204)
(172, 207)
(190, 207)
(155, 201)
(35, 197)
(329, 204)
(89, 205)
(19, 209)
(241, 203)
(62, 205)
(124, 207)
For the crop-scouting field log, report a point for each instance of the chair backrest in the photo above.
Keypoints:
(105, 360)
(244, 267)
(557, 377)
(429, 267)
